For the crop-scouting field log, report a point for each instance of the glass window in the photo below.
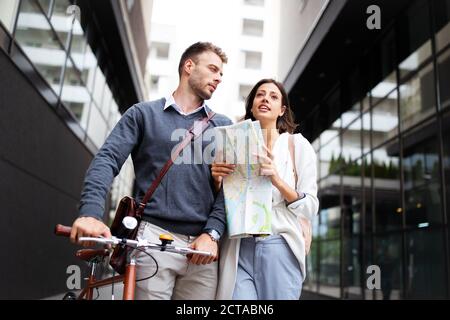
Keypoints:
(312, 267)
(352, 268)
(337, 124)
(331, 185)
(244, 91)
(252, 59)
(388, 209)
(88, 69)
(79, 44)
(30, 6)
(154, 83)
(426, 264)
(253, 27)
(384, 88)
(328, 135)
(312, 272)
(443, 62)
(388, 257)
(87, 65)
(415, 60)
(45, 5)
(446, 159)
(75, 94)
(442, 18)
(417, 100)
(365, 103)
(8, 10)
(83, 56)
(330, 157)
(316, 144)
(385, 120)
(329, 261)
(366, 131)
(160, 50)
(115, 115)
(351, 180)
(330, 218)
(414, 45)
(331, 132)
(60, 7)
(349, 116)
(97, 127)
(352, 213)
(106, 102)
(422, 177)
(40, 43)
(99, 86)
(130, 5)
(352, 229)
(315, 228)
(368, 251)
(368, 204)
(61, 21)
(351, 143)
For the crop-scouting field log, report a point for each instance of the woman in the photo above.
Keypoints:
(272, 267)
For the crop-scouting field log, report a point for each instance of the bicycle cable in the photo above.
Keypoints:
(156, 263)
(98, 294)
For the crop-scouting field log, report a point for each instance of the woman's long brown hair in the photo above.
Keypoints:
(285, 123)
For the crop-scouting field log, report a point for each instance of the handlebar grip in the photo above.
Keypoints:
(63, 231)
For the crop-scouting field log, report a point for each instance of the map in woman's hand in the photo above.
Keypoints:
(248, 195)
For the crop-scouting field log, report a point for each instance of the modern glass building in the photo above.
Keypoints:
(68, 69)
(376, 105)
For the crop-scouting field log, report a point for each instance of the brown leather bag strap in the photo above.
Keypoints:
(194, 132)
(305, 223)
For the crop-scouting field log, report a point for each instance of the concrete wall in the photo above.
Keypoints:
(298, 19)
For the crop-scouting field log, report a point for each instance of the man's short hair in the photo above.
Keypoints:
(198, 48)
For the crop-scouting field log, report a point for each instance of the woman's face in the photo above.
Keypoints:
(267, 105)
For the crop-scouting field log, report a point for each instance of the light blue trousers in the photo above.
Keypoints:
(267, 270)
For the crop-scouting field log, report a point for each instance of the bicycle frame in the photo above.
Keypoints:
(128, 279)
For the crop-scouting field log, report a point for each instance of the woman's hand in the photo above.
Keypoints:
(268, 167)
(219, 171)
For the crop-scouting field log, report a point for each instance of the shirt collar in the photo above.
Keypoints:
(170, 102)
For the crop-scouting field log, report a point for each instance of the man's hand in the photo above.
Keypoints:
(88, 227)
(204, 243)
(219, 171)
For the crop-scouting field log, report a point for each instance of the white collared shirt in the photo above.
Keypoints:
(170, 101)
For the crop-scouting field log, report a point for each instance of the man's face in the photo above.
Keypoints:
(206, 74)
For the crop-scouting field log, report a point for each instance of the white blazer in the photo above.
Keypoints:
(284, 217)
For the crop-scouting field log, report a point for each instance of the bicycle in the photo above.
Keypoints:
(93, 257)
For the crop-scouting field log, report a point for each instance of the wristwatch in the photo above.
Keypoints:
(215, 236)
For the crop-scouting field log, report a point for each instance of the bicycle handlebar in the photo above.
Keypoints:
(65, 231)
(142, 243)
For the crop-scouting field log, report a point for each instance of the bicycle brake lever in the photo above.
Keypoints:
(141, 242)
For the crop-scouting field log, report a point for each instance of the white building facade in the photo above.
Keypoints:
(247, 30)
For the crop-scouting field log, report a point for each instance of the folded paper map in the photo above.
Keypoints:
(248, 196)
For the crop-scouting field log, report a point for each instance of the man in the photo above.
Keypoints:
(184, 204)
